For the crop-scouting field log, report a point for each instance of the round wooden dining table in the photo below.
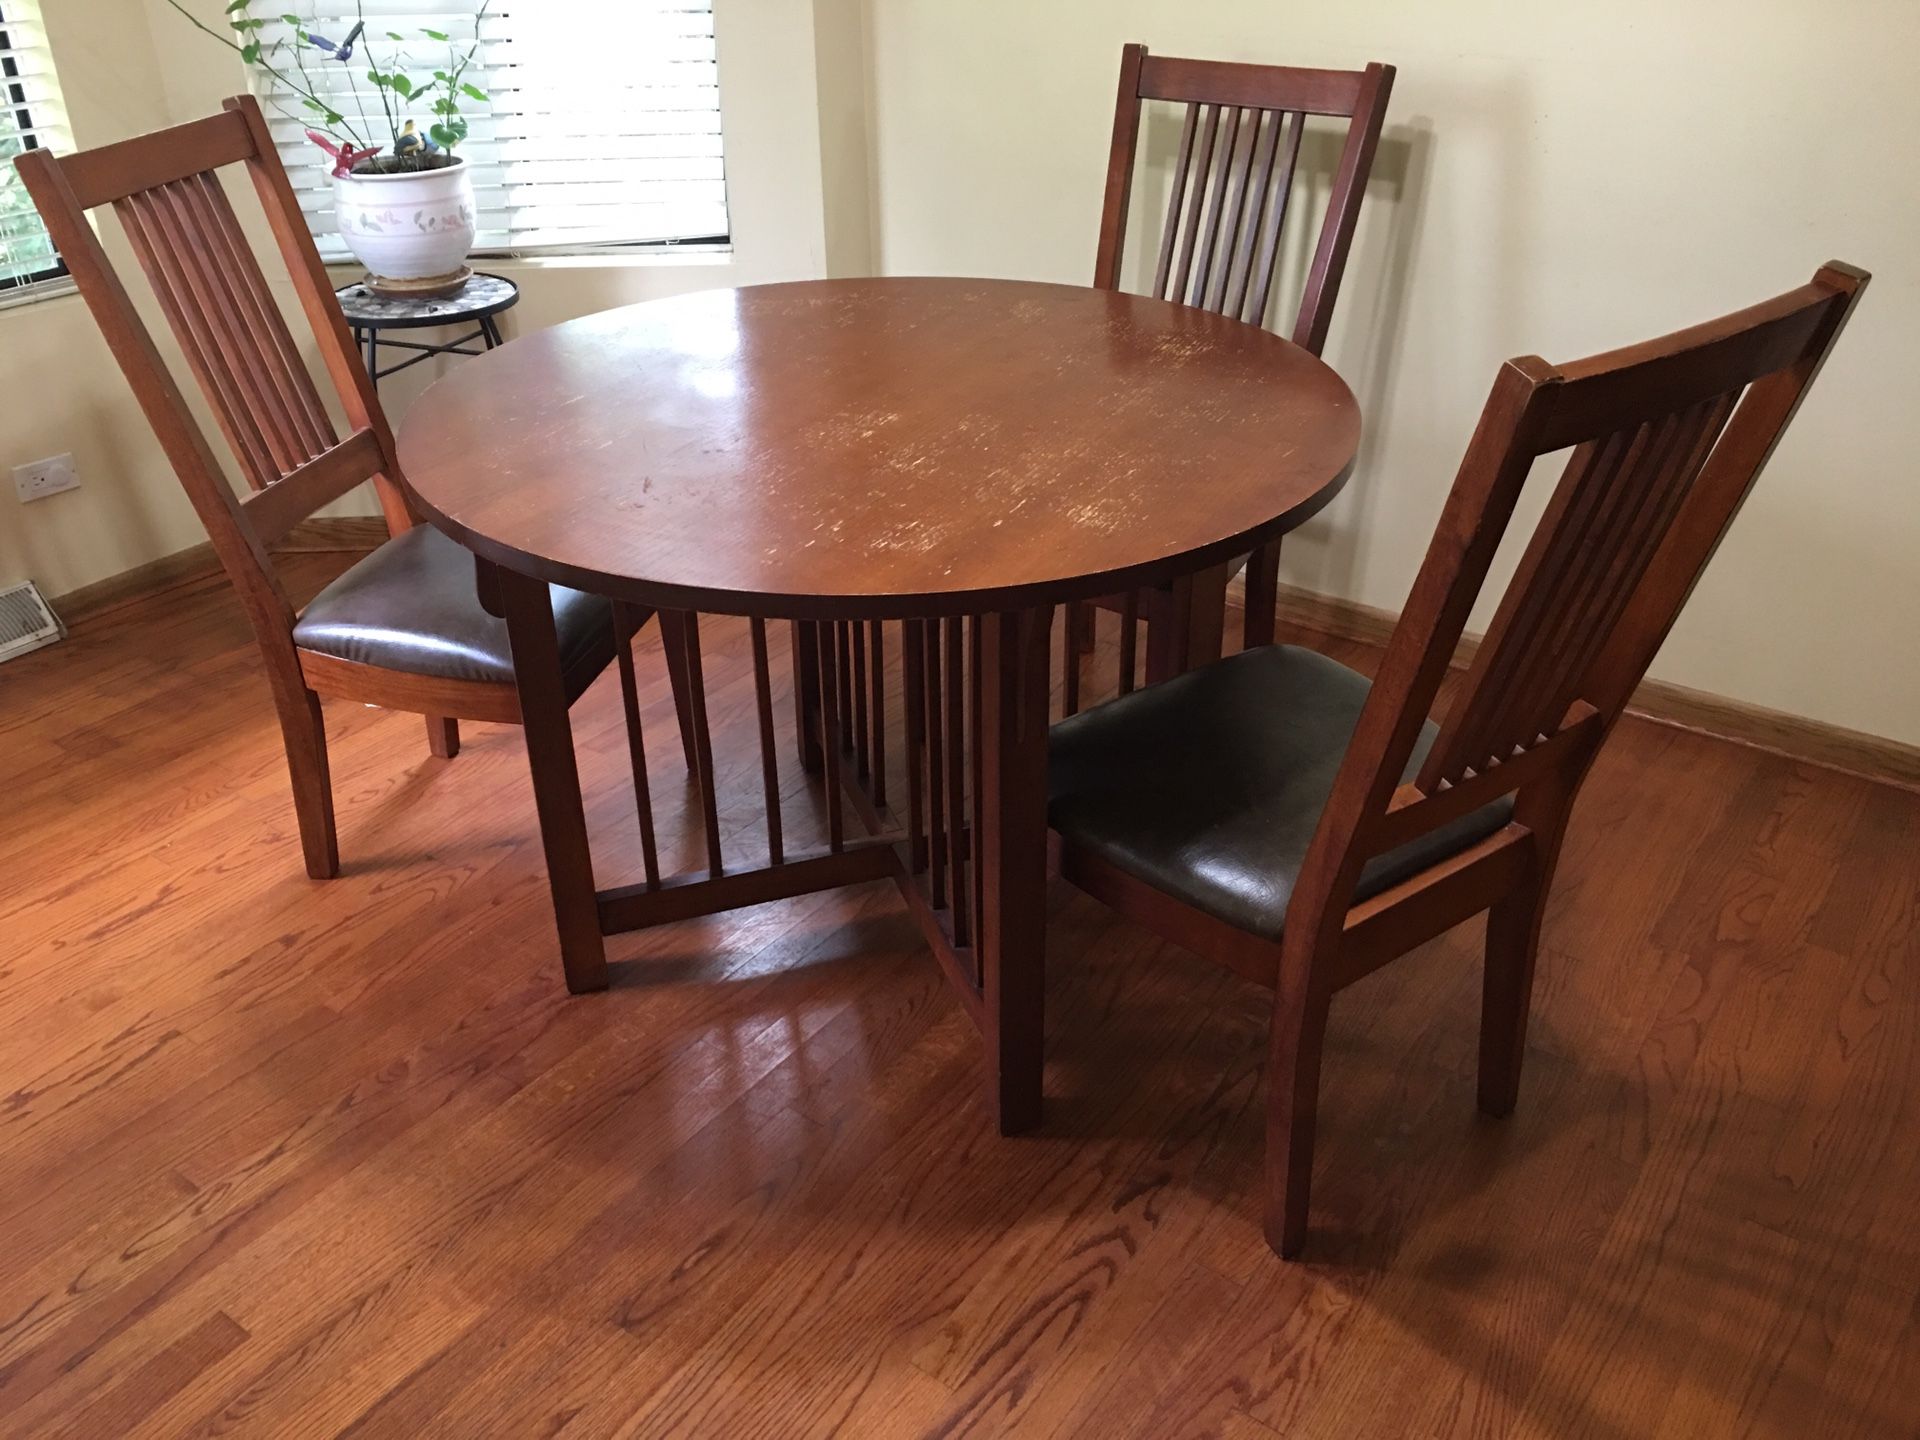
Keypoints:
(955, 457)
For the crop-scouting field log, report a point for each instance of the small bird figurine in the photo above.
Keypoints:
(345, 157)
(344, 50)
(411, 142)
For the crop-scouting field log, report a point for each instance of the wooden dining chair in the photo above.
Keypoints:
(404, 628)
(1279, 814)
(1220, 250)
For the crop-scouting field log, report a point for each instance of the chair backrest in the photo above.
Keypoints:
(188, 240)
(1667, 439)
(1233, 180)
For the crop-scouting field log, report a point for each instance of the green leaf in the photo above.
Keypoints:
(473, 92)
(250, 52)
(402, 85)
(293, 20)
(434, 34)
(334, 117)
(313, 105)
(238, 5)
(395, 35)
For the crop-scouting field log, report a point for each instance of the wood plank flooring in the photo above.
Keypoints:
(286, 1158)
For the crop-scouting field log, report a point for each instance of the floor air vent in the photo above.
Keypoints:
(25, 621)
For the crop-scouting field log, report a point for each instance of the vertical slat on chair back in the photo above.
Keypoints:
(1614, 504)
(184, 232)
(212, 291)
(1667, 439)
(1233, 180)
(1685, 422)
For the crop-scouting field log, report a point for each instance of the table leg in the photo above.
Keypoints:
(1192, 631)
(1014, 684)
(556, 778)
(372, 338)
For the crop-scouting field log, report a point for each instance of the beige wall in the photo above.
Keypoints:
(61, 394)
(1556, 179)
(128, 66)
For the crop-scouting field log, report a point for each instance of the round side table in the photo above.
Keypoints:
(477, 303)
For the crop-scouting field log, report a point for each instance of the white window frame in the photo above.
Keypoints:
(305, 167)
(42, 122)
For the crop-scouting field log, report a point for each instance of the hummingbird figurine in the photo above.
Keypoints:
(342, 52)
(345, 157)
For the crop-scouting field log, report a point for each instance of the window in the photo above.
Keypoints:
(30, 116)
(602, 126)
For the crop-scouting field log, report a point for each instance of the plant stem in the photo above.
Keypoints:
(386, 103)
(300, 59)
(198, 24)
(262, 62)
(462, 63)
(360, 102)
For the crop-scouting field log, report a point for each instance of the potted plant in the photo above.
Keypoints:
(402, 199)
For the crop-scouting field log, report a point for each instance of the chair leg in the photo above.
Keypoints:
(680, 677)
(1513, 940)
(1293, 1102)
(305, 732)
(1156, 609)
(443, 736)
(1072, 657)
(1080, 627)
(1262, 595)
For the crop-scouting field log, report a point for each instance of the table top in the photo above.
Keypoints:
(481, 296)
(879, 448)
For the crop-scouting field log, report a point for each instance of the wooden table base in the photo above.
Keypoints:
(969, 856)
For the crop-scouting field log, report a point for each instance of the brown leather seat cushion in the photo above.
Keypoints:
(411, 605)
(1209, 786)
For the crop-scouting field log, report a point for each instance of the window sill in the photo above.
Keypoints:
(678, 258)
(33, 294)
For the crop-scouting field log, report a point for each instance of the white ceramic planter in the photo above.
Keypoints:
(410, 226)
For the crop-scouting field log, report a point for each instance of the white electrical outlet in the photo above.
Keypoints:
(45, 477)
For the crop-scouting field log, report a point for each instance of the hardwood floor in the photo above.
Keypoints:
(280, 1157)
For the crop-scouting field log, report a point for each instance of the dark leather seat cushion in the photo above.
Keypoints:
(1209, 786)
(412, 605)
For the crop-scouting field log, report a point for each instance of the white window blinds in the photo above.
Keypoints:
(31, 116)
(601, 127)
